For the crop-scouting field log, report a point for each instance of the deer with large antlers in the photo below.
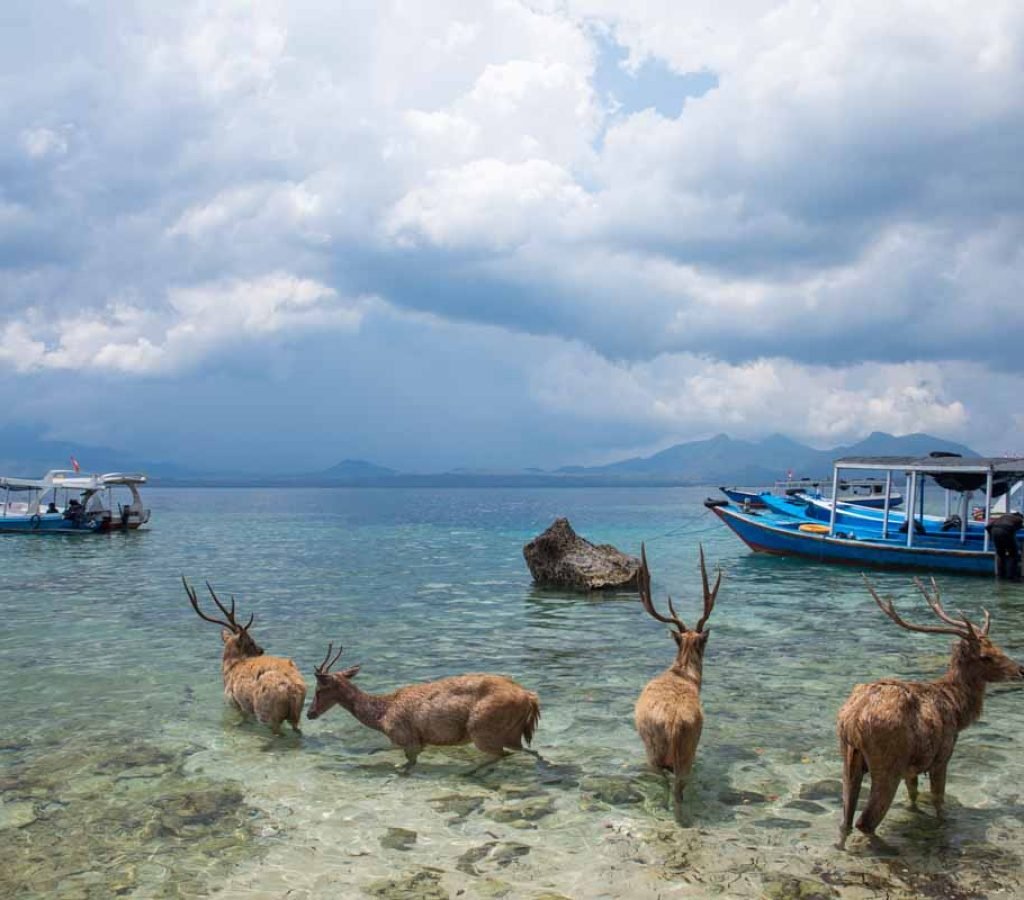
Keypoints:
(668, 714)
(490, 711)
(270, 688)
(896, 730)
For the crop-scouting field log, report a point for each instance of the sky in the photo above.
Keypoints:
(274, 235)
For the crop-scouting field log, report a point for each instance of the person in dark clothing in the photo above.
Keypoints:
(1004, 538)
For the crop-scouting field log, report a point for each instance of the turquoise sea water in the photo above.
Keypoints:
(123, 773)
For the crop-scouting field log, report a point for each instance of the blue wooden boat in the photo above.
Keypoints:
(744, 497)
(794, 527)
(865, 517)
(868, 521)
(863, 492)
(767, 532)
(69, 502)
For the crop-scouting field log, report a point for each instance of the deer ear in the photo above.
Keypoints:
(351, 671)
(704, 635)
(225, 635)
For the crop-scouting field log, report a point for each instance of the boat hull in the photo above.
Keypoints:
(45, 525)
(785, 539)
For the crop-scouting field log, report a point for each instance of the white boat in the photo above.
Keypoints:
(68, 502)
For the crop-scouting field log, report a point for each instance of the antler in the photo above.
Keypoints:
(934, 601)
(644, 586)
(709, 595)
(230, 624)
(961, 629)
(325, 667)
(231, 614)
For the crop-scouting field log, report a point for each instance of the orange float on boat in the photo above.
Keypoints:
(814, 528)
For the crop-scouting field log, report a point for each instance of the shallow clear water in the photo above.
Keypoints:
(122, 772)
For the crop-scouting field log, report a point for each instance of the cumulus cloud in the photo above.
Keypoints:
(690, 394)
(846, 200)
(194, 323)
(492, 205)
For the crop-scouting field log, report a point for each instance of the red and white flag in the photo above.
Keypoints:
(74, 464)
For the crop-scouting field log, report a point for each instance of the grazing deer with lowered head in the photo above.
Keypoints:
(267, 687)
(490, 711)
(898, 729)
(668, 714)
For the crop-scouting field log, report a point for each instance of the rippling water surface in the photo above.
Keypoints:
(123, 773)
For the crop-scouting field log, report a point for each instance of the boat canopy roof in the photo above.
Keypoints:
(955, 473)
(66, 478)
(981, 465)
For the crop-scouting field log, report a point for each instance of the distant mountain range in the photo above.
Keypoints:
(718, 460)
(725, 459)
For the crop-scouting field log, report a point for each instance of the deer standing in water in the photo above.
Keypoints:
(270, 688)
(898, 729)
(668, 714)
(490, 711)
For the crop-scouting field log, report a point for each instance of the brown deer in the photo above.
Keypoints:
(267, 687)
(898, 729)
(668, 714)
(491, 711)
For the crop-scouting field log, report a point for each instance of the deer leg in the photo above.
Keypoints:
(883, 789)
(853, 774)
(680, 777)
(410, 759)
(938, 780)
(911, 781)
(535, 754)
(679, 780)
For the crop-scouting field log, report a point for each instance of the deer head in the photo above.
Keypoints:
(690, 644)
(331, 687)
(237, 640)
(974, 653)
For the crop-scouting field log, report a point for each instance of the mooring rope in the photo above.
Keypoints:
(692, 528)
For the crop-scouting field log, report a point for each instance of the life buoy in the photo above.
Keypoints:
(814, 528)
(34, 521)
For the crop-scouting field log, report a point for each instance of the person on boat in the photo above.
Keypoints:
(52, 508)
(75, 511)
(1003, 530)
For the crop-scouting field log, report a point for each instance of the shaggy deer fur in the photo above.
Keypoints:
(491, 711)
(668, 714)
(898, 729)
(267, 687)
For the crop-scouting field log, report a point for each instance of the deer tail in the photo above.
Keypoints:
(532, 718)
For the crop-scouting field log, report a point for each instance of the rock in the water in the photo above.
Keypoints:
(398, 839)
(826, 789)
(561, 558)
(15, 815)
